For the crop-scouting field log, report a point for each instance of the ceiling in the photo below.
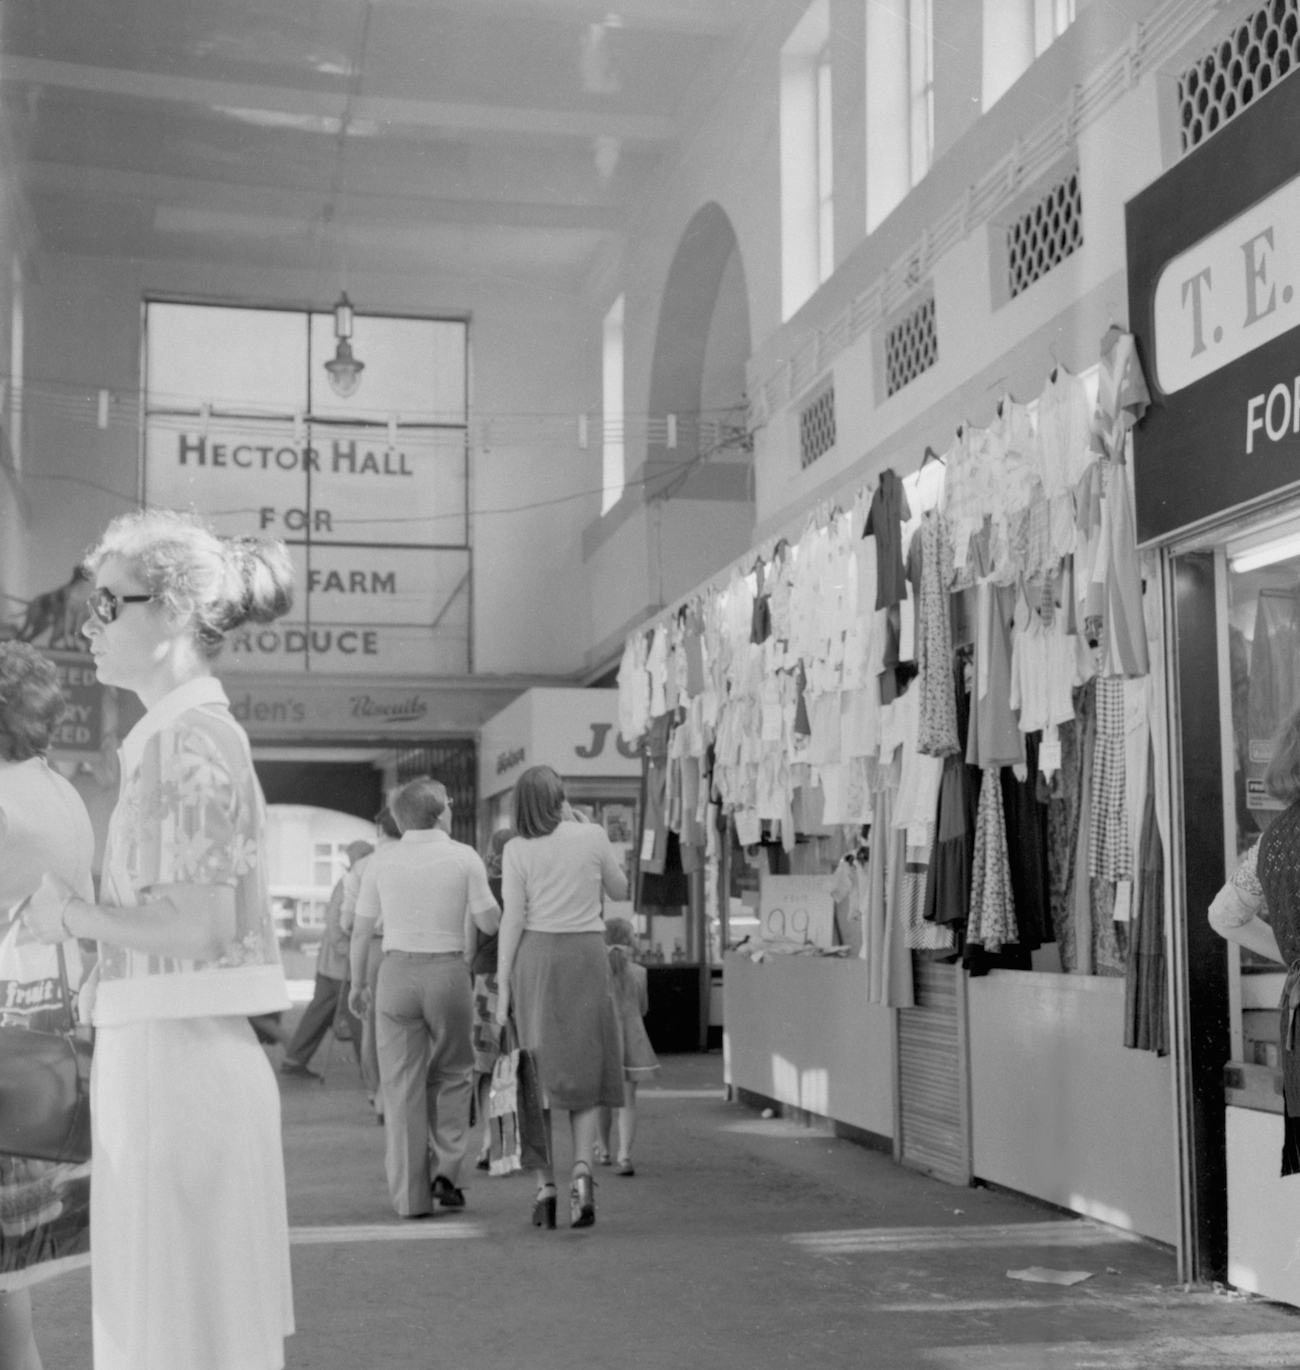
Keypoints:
(495, 138)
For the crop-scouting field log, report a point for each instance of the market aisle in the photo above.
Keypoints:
(741, 1244)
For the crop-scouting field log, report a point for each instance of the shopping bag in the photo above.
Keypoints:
(44, 1113)
(519, 1134)
(44, 1056)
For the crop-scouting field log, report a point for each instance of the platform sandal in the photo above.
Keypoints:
(582, 1197)
(544, 1206)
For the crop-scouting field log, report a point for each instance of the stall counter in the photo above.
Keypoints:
(799, 1030)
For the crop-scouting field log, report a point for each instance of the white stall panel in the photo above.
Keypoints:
(1263, 1209)
(1060, 1109)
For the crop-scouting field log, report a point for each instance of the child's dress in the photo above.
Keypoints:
(632, 998)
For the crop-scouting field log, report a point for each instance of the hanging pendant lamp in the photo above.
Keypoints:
(343, 368)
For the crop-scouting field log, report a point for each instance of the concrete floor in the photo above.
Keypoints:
(741, 1244)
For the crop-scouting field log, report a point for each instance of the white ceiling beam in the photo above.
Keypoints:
(697, 18)
(283, 203)
(328, 108)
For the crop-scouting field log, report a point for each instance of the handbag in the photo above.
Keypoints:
(520, 1138)
(45, 1085)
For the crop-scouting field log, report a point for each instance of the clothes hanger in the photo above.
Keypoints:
(931, 455)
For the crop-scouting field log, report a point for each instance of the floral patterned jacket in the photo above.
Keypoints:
(190, 812)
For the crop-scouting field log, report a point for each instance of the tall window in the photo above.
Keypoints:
(900, 101)
(807, 159)
(369, 489)
(613, 473)
(1015, 32)
(825, 170)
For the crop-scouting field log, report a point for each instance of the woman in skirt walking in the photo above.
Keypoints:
(554, 974)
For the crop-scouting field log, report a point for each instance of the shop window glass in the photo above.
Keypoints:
(1263, 651)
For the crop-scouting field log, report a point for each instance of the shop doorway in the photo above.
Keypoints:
(352, 787)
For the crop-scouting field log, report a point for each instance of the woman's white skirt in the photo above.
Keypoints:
(188, 1227)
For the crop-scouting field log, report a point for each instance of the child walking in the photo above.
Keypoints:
(632, 999)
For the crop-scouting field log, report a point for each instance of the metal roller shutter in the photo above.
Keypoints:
(933, 1076)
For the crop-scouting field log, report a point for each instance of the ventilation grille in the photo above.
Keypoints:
(817, 426)
(911, 346)
(1260, 51)
(1045, 235)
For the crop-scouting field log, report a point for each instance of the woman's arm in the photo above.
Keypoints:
(188, 922)
(1236, 911)
(512, 927)
(611, 873)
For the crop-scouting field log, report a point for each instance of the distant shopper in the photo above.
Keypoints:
(632, 998)
(332, 972)
(190, 1257)
(1259, 908)
(430, 891)
(372, 953)
(487, 1035)
(554, 973)
(44, 827)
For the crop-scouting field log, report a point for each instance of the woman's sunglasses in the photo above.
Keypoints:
(104, 604)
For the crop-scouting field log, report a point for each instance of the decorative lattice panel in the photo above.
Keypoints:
(911, 346)
(1044, 236)
(1258, 52)
(817, 426)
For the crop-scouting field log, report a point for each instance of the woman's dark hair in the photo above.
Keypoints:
(31, 702)
(538, 804)
(386, 823)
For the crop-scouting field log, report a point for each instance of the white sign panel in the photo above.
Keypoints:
(1231, 293)
(376, 532)
(573, 731)
(797, 908)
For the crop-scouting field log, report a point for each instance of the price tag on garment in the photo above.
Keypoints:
(648, 844)
(1049, 754)
(1123, 901)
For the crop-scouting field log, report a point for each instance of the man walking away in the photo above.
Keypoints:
(429, 890)
(332, 970)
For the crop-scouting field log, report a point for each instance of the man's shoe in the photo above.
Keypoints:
(446, 1195)
(298, 1070)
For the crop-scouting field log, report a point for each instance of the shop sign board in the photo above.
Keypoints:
(323, 708)
(377, 532)
(1214, 301)
(573, 730)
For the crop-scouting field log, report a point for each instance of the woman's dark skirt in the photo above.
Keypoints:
(564, 1011)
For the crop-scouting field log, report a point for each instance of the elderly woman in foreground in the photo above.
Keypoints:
(554, 973)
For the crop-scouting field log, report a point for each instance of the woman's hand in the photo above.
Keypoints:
(359, 1001)
(43, 915)
(503, 1007)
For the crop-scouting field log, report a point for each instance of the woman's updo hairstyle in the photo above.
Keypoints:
(223, 581)
(31, 702)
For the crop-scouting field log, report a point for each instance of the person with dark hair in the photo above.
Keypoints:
(632, 996)
(1259, 908)
(330, 994)
(553, 973)
(483, 966)
(431, 892)
(371, 954)
(44, 827)
(190, 1260)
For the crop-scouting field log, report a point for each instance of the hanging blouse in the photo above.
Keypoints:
(191, 813)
